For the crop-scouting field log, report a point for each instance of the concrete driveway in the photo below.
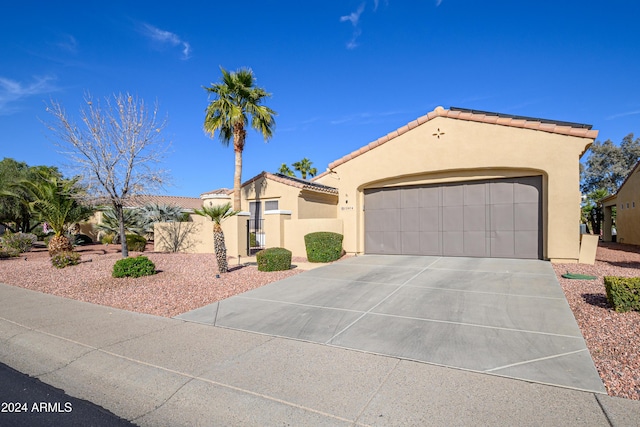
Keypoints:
(503, 317)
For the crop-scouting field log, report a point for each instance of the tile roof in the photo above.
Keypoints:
(543, 125)
(183, 202)
(294, 182)
(218, 192)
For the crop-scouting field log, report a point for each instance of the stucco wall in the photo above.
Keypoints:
(265, 189)
(628, 210)
(450, 150)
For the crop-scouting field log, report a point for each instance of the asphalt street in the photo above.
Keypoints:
(27, 401)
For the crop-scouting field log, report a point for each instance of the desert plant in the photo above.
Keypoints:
(274, 259)
(134, 267)
(81, 239)
(107, 238)
(20, 242)
(218, 214)
(623, 293)
(323, 246)
(136, 243)
(133, 223)
(64, 259)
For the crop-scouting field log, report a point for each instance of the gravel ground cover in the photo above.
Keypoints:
(188, 281)
(612, 338)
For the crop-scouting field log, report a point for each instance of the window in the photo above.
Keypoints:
(627, 205)
(271, 205)
(254, 209)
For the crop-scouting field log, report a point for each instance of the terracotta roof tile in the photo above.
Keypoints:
(294, 182)
(543, 125)
(182, 202)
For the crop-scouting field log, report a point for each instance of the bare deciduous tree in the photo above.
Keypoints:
(116, 151)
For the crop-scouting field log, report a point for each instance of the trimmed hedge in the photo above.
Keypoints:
(136, 243)
(623, 293)
(323, 246)
(134, 267)
(274, 259)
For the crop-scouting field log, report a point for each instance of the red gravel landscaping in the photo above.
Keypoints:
(188, 281)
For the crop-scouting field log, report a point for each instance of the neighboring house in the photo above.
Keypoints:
(187, 204)
(454, 182)
(626, 202)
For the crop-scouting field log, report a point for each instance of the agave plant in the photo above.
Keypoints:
(155, 212)
(218, 214)
(133, 223)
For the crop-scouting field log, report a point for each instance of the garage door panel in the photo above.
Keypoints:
(452, 243)
(430, 219)
(501, 192)
(452, 218)
(453, 195)
(526, 217)
(410, 198)
(475, 218)
(502, 244)
(526, 244)
(502, 217)
(493, 218)
(375, 199)
(430, 243)
(410, 219)
(410, 243)
(392, 242)
(475, 243)
(475, 194)
(526, 192)
(375, 220)
(430, 197)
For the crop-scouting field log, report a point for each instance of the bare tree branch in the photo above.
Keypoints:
(118, 149)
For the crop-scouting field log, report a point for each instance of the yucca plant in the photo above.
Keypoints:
(218, 214)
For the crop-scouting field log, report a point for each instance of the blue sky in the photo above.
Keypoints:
(342, 73)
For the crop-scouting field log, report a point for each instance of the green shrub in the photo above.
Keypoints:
(253, 241)
(65, 259)
(136, 243)
(8, 253)
(82, 239)
(134, 267)
(623, 293)
(323, 246)
(21, 242)
(107, 239)
(274, 259)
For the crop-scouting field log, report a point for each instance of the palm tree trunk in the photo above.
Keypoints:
(237, 180)
(220, 249)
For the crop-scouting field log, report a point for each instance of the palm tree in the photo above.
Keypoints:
(55, 201)
(304, 167)
(285, 170)
(218, 214)
(238, 101)
(155, 212)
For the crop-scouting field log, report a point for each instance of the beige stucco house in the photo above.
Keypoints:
(454, 182)
(626, 203)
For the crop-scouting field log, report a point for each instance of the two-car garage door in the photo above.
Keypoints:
(495, 218)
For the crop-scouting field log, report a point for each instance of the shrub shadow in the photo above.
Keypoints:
(597, 300)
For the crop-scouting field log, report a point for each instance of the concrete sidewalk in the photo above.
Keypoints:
(156, 371)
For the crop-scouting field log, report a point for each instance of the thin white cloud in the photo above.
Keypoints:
(354, 18)
(12, 92)
(438, 3)
(625, 114)
(68, 43)
(167, 37)
(364, 118)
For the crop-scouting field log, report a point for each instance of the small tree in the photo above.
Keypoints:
(56, 202)
(218, 214)
(609, 164)
(116, 151)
